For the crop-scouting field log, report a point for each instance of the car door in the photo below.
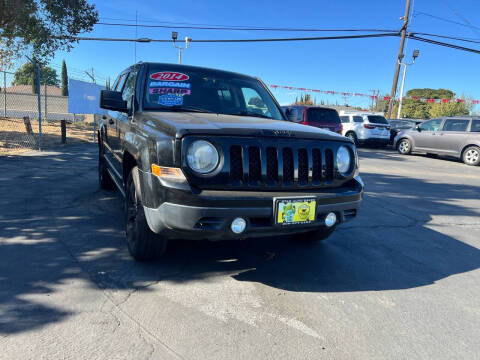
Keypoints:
(424, 137)
(110, 139)
(451, 137)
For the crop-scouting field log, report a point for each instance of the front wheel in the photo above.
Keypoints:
(315, 235)
(143, 244)
(404, 147)
(471, 156)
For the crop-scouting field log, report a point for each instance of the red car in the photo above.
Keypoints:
(318, 116)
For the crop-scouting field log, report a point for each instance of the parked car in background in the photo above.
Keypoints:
(452, 136)
(398, 125)
(365, 128)
(317, 116)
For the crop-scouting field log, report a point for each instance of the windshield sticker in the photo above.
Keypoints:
(170, 100)
(170, 84)
(170, 91)
(169, 75)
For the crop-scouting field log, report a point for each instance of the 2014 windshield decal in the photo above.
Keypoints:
(169, 76)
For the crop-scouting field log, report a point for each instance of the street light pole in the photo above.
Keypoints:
(414, 57)
(174, 39)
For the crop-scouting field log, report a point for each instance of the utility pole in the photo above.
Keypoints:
(373, 98)
(403, 33)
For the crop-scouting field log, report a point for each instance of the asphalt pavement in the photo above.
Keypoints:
(400, 281)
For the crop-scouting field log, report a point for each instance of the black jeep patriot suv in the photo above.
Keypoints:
(209, 154)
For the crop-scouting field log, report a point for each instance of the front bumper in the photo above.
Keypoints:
(208, 214)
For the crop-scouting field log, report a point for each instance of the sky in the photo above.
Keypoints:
(358, 65)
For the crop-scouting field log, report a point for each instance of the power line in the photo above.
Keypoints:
(453, 46)
(446, 20)
(148, 40)
(447, 37)
(241, 28)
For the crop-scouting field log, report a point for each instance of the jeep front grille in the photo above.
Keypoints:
(298, 166)
(270, 164)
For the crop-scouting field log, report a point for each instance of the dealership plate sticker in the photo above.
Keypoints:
(170, 100)
(295, 211)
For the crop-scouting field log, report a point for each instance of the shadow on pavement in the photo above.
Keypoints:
(57, 227)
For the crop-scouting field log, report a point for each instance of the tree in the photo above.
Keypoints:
(26, 75)
(422, 110)
(64, 79)
(42, 26)
(307, 100)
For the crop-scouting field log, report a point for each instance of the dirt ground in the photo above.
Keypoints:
(14, 138)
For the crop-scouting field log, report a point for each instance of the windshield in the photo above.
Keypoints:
(376, 119)
(204, 90)
(324, 116)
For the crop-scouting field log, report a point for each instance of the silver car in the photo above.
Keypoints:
(452, 136)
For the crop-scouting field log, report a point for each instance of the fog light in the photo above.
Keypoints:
(238, 225)
(330, 219)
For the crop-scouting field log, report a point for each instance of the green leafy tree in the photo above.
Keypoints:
(42, 26)
(64, 79)
(422, 110)
(26, 75)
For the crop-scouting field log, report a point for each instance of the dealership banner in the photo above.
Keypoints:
(375, 97)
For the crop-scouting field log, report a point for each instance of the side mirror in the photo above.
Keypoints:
(419, 128)
(291, 114)
(112, 100)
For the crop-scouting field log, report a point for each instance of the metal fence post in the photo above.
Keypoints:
(5, 94)
(45, 100)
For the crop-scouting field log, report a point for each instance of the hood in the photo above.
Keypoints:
(179, 124)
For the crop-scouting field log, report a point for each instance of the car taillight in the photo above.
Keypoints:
(304, 122)
(340, 131)
(367, 126)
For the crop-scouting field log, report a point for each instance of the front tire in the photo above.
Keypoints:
(316, 235)
(471, 156)
(143, 244)
(404, 147)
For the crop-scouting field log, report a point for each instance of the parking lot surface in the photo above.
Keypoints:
(400, 281)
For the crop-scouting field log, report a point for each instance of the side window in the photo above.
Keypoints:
(300, 114)
(119, 83)
(455, 125)
(432, 125)
(475, 126)
(358, 119)
(345, 119)
(129, 88)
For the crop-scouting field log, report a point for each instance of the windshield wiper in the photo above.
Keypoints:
(246, 113)
(190, 109)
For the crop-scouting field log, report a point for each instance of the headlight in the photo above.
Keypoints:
(344, 160)
(202, 157)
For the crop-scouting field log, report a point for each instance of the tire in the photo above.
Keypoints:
(315, 235)
(404, 147)
(471, 156)
(143, 244)
(104, 179)
(351, 135)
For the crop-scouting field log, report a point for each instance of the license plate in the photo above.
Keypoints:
(295, 211)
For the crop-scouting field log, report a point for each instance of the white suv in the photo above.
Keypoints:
(365, 128)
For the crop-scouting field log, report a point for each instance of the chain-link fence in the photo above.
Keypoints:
(22, 128)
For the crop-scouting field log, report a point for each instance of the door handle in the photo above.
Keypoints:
(111, 122)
